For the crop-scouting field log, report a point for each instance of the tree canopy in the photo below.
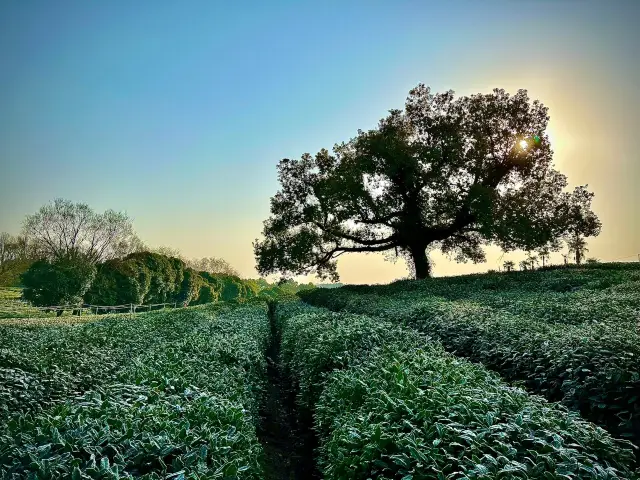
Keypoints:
(446, 173)
(62, 229)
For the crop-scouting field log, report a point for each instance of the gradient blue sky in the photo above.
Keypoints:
(178, 112)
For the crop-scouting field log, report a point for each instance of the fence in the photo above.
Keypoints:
(128, 308)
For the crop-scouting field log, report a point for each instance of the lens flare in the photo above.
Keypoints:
(524, 144)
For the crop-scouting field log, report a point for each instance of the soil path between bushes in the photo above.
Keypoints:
(289, 448)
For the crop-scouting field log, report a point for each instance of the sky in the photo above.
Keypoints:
(179, 112)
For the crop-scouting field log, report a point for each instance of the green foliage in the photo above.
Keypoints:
(228, 287)
(146, 277)
(207, 294)
(391, 403)
(191, 287)
(12, 271)
(61, 282)
(143, 277)
(171, 395)
(581, 347)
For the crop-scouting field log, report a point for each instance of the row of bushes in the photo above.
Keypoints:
(148, 277)
(388, 402)
(184, 406)
(139, 278)
(593, 368)
(572, 294)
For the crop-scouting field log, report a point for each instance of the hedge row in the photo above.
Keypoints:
(593, 368)
(143, 278)
(571, 295)
(391, 403)
(183, 407)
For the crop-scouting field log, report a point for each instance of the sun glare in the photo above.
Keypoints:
(523, 144)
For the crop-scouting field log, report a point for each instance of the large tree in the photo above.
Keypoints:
(63, 229)
(448, 173)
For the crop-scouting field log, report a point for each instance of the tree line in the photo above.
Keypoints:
(67, 254)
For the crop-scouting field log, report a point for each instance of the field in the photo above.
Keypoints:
(522, 375)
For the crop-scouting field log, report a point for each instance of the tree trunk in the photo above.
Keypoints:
(578, 256)
(420, 262)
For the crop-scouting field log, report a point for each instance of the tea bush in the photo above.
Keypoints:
(592, 367)
(389, 402)
(180, 401)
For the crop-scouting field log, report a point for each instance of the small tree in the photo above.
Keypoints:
(578, 246)
(543, 254)
(509, 265)
(532, 260)
(61, 282)
(524, 265)
(581, 222)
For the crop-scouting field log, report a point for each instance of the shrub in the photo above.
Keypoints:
(143, 277)
(61, 282)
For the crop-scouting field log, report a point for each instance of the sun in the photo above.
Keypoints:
(524, 144)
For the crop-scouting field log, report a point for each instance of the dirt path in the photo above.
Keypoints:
(288, 451)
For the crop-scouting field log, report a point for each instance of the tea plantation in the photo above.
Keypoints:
(497, 376)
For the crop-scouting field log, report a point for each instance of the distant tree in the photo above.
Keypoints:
(7, 253)
(532, 260)
(168, 252)
(61, 282)
(578, 246)
(452, 174)
(15, 248)
(544, 253)
(525, 265)
(63, 229)
(213, 266)
(509, 265)
(592, 261)
(581, 222)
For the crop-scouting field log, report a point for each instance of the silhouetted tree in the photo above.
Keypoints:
(509, 265)
(544, 253)
(581, 222)
(578, 246)
(445, 173)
